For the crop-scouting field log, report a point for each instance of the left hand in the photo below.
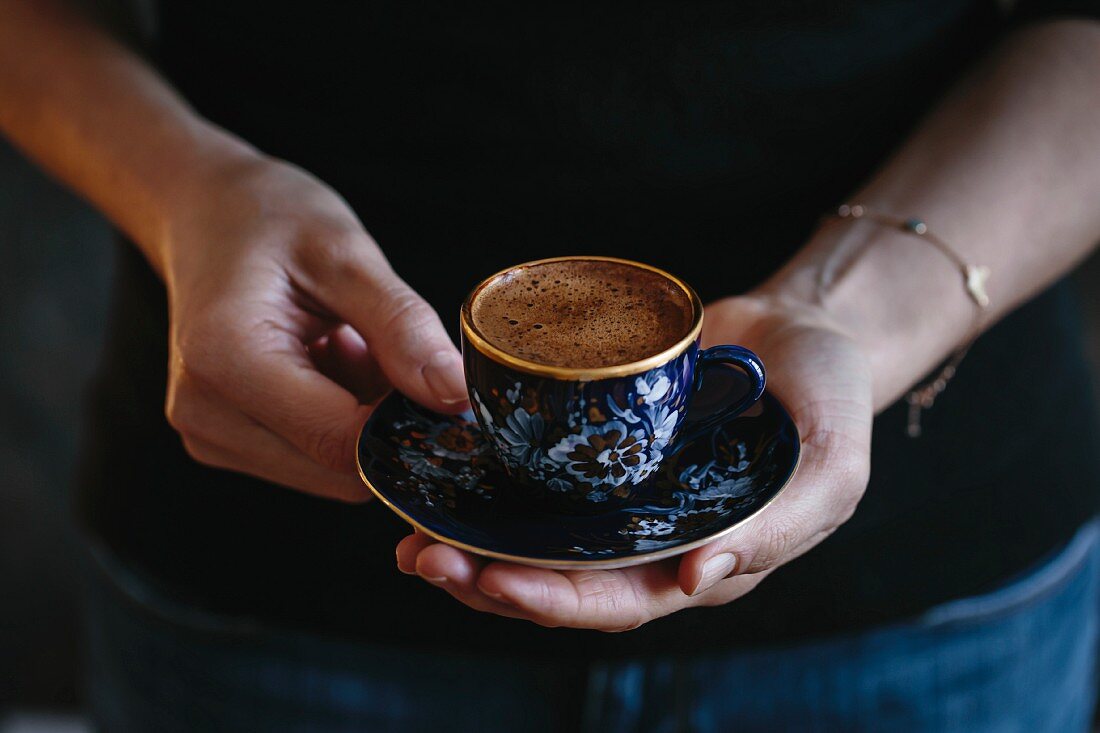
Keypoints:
(824, 380)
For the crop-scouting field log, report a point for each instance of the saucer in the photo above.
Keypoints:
(438, 474)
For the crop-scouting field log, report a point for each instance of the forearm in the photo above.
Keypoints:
(94, 115)
(1006, 169)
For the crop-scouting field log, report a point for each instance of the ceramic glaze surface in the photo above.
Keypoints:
(440, 474)
(586, 442)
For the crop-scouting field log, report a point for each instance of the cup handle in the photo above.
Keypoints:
(739, 357)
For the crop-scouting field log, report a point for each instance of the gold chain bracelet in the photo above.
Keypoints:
(922, 396)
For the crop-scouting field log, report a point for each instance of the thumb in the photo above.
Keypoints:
(414, 350)
(403, 332)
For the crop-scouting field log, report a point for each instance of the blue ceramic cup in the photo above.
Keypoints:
(577, 439)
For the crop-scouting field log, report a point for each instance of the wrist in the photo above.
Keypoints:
(193, 174)
(892, 294)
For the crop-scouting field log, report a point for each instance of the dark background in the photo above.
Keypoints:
(54, 279)
(54, 284)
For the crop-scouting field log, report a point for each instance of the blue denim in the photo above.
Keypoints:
(1020, 658)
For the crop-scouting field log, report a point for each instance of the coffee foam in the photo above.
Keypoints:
(582, 313)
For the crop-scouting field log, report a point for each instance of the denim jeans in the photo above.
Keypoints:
(1020, 658)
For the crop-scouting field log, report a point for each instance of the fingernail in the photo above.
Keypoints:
(715, 569)
(498, 597)
(438, 580)
(443, 373)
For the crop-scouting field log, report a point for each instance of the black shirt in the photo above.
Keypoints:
(703, 137)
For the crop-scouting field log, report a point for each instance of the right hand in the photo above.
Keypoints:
(286, 323)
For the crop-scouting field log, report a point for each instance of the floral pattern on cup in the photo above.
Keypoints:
(617, 430)
(442, 457)
(441, 470)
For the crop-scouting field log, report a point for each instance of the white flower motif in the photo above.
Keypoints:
(521, 438)
(420, 465)
(651, 392)
(663, 421)
(730, 488)
(627, 415)
(651, 388)
(653, 462)
(607, 454)
(712, 480)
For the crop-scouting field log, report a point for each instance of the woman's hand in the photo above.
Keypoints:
(286, 322)
(824, 380)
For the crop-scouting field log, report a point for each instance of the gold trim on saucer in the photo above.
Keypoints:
(608, 564)
(482, 346)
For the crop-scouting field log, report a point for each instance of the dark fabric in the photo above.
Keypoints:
(705, 138)
(1021, 657)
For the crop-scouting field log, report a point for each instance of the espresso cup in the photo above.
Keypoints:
(577, 438)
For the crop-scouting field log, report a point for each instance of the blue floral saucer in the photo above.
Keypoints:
(438, 474)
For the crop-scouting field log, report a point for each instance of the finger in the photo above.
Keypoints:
(438, 561)
(350, 277)
(827, 390)
(218, 435)
(296, 472)
(264, 370)
(457, 572)
(821, 496)
(344, 357)
(607, 600)
(728, 590)
(407, 550)
(616, 600)
(762, 542)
